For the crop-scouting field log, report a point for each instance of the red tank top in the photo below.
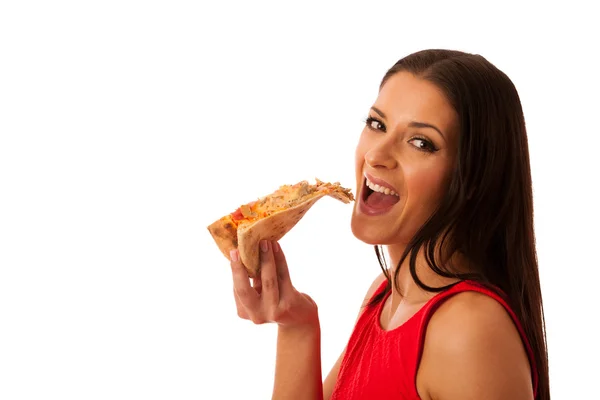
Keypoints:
(381, 364)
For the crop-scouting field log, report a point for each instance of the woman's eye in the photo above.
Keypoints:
(375, 124)
(423, 145)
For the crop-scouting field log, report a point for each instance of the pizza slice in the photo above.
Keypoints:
(270, 218)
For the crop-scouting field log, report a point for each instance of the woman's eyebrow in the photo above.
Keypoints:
(413, 124)
(416, 124)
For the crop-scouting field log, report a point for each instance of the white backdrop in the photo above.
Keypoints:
(128, 126)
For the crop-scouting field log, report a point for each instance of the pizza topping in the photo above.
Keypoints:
(237, 215)
(247, 211)
(285, 197)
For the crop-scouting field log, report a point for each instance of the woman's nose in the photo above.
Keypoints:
(380, 157)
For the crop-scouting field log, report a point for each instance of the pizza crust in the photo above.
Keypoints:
(224, 233)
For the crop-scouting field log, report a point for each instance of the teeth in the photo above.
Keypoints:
(381, 189)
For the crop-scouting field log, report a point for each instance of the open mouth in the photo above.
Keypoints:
(367, 191)
(378, 198)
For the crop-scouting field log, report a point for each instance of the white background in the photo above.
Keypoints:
(128, 126)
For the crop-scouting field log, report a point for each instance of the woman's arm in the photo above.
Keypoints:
(299, 360)
(298, 364)
(272, 298)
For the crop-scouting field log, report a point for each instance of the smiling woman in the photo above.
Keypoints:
(402, 148)
(443, 182)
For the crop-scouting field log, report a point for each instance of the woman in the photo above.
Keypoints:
(443, 181)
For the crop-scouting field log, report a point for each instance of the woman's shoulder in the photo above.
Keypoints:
(473, 337)
(473, 310)
(471, 320)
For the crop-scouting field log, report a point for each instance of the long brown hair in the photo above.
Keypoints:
(487, 212)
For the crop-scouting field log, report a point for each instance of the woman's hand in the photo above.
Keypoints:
(271, 297)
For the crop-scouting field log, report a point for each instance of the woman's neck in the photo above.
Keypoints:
(411, 293)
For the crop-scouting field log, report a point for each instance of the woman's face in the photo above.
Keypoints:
(406, 152)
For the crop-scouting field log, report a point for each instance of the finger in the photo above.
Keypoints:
(241, 283)
(257, 284)
(241, 311)
(283, 273)
(268, 275)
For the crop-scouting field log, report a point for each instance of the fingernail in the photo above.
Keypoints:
(275, 247)
(234, 255)
(264, 246)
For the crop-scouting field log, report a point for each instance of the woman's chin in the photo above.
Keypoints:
(378, 234)
(369, 234)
